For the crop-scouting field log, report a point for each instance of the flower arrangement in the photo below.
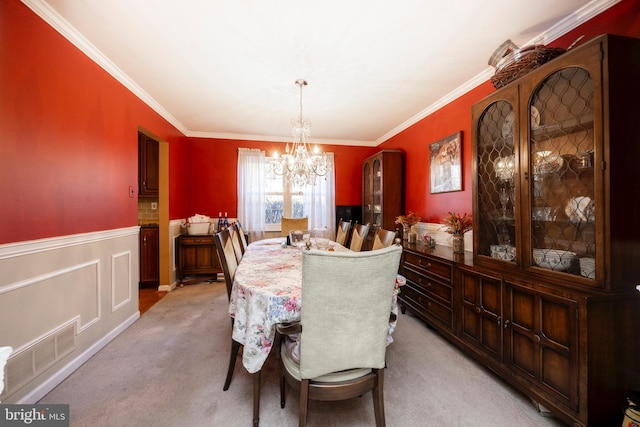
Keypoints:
(408, 219)
(457, 224)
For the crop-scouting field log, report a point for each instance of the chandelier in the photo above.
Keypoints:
(300, 165)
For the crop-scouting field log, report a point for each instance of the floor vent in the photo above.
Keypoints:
(33, 360)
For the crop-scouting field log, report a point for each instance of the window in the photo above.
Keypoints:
(263, 200)
(281, 199)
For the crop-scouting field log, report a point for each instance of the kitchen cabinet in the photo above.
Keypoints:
(148, 166)
(556, 249)
(149, 256)
(383, 188)
(196, 256)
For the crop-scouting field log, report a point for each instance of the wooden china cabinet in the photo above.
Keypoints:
(550, 301)
(383, 188)
(547, 298)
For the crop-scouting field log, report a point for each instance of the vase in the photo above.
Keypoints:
(406, 228)
(457, 243)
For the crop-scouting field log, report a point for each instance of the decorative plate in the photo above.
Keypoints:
(545, 163)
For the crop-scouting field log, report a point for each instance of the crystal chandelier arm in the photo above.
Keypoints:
(300, 164)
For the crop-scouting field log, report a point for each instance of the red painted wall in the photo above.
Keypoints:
(209, 183)
(68, 140)
(68, 132)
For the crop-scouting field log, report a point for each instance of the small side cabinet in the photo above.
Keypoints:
(196, 256)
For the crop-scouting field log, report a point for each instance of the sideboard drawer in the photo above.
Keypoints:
(425, 306)
(197, 240)
(430, 286)
(428, 265)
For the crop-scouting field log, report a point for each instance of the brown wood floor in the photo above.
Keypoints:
(147, 297)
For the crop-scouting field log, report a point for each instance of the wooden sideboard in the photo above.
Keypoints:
(196, 256)
(547, 298)
(574, 353)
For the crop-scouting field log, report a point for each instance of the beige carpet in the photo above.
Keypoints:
(168, 369)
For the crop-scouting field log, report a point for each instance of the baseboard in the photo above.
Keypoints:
(54, 380)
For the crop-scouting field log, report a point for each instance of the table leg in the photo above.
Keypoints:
(256, 398)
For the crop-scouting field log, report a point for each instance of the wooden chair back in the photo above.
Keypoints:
(383, 239)
(342, 236)
(371, 235)
(243, 239)
(227, 257)
(235, 240)
(358, 237)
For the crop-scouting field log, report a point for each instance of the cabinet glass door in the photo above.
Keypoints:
(367, 207)
(495, 225)
(377, 192)
(561, 185)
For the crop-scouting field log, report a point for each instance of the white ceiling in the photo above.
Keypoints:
(226, 68)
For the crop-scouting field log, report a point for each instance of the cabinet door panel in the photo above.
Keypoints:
(148, 166)
(481, 321)
(149, 259)
(541, 341)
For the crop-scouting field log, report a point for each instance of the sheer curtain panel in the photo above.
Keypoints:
(251, 176)
(320, 200)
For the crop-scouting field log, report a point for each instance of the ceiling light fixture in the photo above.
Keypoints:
(300, 165)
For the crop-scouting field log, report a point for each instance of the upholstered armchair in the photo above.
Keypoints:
(343, 328)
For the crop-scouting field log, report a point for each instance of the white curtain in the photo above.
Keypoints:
(320, 200)
(251, 176)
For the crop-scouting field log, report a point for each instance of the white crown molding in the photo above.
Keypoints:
(49, 15)
(572, 21)
(236, 136)
(10, 250)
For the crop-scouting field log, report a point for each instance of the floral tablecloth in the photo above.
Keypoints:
(266, 291)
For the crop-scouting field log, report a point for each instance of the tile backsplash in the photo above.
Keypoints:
(145, 212)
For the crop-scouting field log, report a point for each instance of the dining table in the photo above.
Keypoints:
(267, 290)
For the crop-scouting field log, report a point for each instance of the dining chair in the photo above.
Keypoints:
(338, 363)
(289, 224)
(383, 238)
(342, 236)
(358, 237)
(243, 238)
(227, 256)
(368, 242)
(235, 241)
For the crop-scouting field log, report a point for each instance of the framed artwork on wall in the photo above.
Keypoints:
(445, 164)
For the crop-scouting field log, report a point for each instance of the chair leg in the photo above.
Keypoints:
(282, 391)
(256, 399)
(235, 348)
(304, 402)
(378, 398)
